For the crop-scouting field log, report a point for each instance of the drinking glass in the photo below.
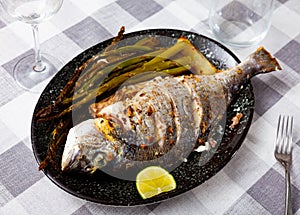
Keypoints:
(240, 23)
(34, 68)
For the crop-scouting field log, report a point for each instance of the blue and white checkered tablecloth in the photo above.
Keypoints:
(251, 183)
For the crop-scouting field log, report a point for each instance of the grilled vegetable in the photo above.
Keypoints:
(83, 87)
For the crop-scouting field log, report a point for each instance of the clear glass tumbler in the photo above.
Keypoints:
(241, 23)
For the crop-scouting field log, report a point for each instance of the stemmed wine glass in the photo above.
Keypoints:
(34, 68)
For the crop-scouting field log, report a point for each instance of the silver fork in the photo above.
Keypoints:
(283, 153)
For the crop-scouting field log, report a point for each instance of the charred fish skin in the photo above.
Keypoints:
(193, 102)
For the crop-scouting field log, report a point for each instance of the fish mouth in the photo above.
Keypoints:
(74, 163)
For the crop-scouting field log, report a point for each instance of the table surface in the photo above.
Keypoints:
(251, 183)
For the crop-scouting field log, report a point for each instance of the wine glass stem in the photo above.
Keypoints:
(38, 65)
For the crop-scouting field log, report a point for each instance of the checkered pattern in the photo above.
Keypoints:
(252, 182)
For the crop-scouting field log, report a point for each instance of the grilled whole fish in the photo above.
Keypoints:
(157, 122)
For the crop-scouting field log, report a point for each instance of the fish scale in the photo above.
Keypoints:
(161, 105)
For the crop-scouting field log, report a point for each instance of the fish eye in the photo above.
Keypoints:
(100, 161)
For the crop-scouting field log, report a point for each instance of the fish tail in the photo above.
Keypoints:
(265, 61)
(260, 61)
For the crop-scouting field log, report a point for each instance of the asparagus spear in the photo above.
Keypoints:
(116, 55)
(116, 39)
(58, 135)
(110, 69)
(165, 72)
(148, 41)
(129, 49)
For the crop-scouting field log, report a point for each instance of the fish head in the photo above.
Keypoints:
(86, 149)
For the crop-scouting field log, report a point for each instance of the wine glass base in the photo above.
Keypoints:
(27, 78)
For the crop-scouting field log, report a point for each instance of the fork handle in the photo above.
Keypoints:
(288, 203)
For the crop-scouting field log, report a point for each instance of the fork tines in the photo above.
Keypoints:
(284, 134)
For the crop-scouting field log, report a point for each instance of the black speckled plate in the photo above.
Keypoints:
(107, 190)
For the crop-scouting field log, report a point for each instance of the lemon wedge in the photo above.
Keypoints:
(154, 180)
